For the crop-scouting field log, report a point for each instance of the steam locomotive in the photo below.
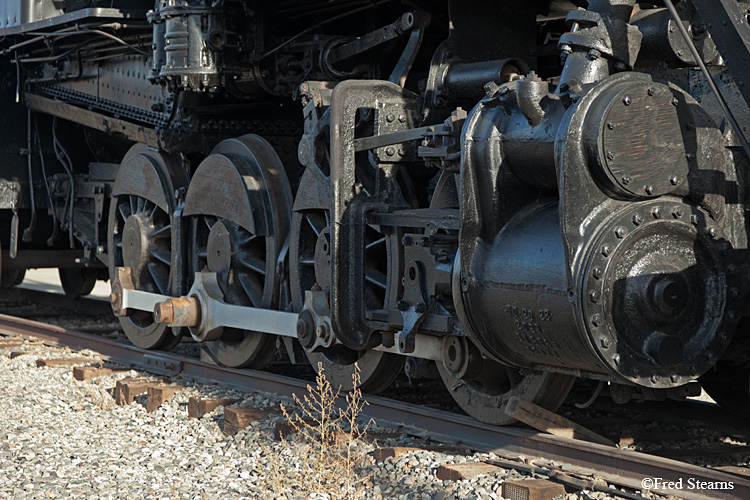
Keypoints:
(510, 195)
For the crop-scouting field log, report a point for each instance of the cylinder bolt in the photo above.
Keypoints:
(606, 250)
(595, 296)
(596, 320)
(674, 180)
(656, 212)
(655, 378)
(620, 232)
(627, 100)
(637, 220)
(605, 342)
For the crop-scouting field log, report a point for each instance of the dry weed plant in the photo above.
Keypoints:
(326, 443)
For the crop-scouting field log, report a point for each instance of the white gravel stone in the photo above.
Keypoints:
(60, 438)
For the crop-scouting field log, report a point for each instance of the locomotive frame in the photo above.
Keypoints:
(520, 194)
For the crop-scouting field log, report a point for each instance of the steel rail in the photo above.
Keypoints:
(617, 466)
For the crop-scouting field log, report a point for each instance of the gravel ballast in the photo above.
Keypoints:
(61, 438)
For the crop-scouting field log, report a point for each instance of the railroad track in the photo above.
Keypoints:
(616, 466)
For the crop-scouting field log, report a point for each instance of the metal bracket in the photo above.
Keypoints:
(413, 305)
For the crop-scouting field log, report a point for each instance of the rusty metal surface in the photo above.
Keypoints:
(620, 466)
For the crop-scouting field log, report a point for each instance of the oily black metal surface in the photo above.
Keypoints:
(727, 22)
(349, 209)
(620, 466)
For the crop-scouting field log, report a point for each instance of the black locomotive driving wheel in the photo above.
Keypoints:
(140, 236)
(310, 261)
(240, 205)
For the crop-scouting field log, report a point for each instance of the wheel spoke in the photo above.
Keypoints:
(141, 205)
(133, 204)
(253, 290)
(247, 240)
(123, 208)
(316, 225)
(253, 263)
(376, 278)
(160, 276)
(164, 232)
(375, 243)
(160, 255)
(307, 261)
(153, 212)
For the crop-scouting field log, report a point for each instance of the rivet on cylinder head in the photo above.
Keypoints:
(676, 213)
(655, 377)
(651, 92)
(596, 320)
(595, 296)
(656, 212)
(626, 100)
(626, 180)
(597, 272)
(649, 189)
(617, 359)
(674, 180)
(606, 250)
(637, 220)
(610, 155)
(605, 342)
(620, 232)
(674, 378)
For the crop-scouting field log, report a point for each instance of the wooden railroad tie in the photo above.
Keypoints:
(470, 470)
(82, 373)
(11, 342)
(127, 389)
(532, 489)
(236, 419)
(384, 452)
(198, 407)
(62, 362)
(156, 396)
(551, 423)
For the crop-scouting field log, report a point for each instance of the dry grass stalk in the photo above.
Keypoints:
(326, 444)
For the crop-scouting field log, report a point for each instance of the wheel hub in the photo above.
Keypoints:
(135, 243)
(219, 251)
(323, 258)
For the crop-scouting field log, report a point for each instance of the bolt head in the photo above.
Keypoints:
(605, 342)
(656, 212)
(637, 220)
(626, 180)
(627, 100)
